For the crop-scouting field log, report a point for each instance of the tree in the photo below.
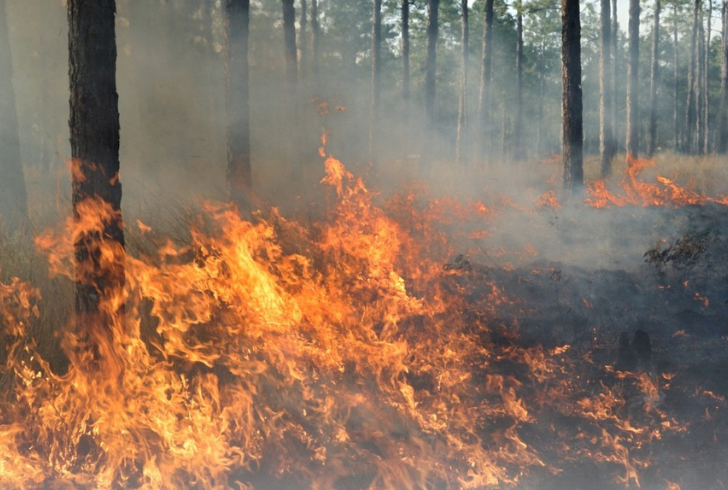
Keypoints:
(721, 145)
(633, 80)
(289, 36)
(605, 89)
(462, 98)
(96, 189)
(13, 196)
(315, 38)
(518, 125)
(431, 60)
(690, 107)
(572, 118)
(239, 172)
(706, 95)
(405, 11)
(675, 86)
(376, 60)
(485, 75)
(303, 25)
(654, 67)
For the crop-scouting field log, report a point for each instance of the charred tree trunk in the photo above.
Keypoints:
(315, 37)
(675, 85)
(461, 143)
(302, 42)
(405, 57)
(721, 145)
(518, 123)
(654, 67)
(375, 94)
(485, 78)
(690, 105)
(431, 60)
(94, 125)
(573, 132)
(13, 196)
(633, 108)
(605, 89)
(239, 173)
(289, 37)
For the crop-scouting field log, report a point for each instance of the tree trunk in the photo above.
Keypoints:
(315, 37)
(485, 78)
(654, 67)
(721, 145)
(706, 64)
(605, 89)
(431, 60)
(13, 196)
(375, 94)
(405, 57)
(303, 26)
(518, 124)
(690, 105)
(289, 36)
(675, 85)
(633, 108)
(573, 131)
(539, 128)
(239, 173)
(462, 102)
(616, 78)
(94, 125)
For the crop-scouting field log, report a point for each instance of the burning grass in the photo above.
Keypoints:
(358, 351)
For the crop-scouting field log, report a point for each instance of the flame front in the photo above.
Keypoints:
(343, 351)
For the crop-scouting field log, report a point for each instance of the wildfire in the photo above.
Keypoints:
(343, 351)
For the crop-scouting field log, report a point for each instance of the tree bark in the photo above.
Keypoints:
(675, 84)
(405, 11)
(431, 60)
(632, 145)
(573, 131)
(617, 76)
(654, 73)
(315, 37)
(706, 65)
(605, 89)
(13, 195)
(94, 125)
(721, 145)
(239, 172)
(690, 105)
(302, 42)
(462, 101)
(289, 37)
(485, 77)
(376, 55)
(518, 123)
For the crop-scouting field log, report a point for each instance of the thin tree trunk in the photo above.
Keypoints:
(632, 145)
(289, 36)
(721, 145)
(431, 60)
(605, 89)
(518, 125)
(617, 76)
(706, 94)
(573, 131)
(485, 78)
(654, 67)
(376, 60)
(239, 173)
(461, 143)
(690, 109)
(675, 86)
(94, 125)
(302, 41)
(405, 57)
(13, 196)
(699, 65)
(315, 38)
(539, 128)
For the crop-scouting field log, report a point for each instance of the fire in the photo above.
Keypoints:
(636, 192)
(340, 351)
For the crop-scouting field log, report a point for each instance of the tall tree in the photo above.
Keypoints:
(302, 41)
(315, 37)
(13, 197)
(289, 36)
(605, 89)
(94, 125)
(721, 145)
(633, 89)
(690, 105)
(616, 77)
(518, 123)
(239, 173)
(654, 67)
(376, 54)
(571, 112)
(706, 70)
(462, 97)
(675, 84)
(405, 12)
(433, 7)
(485, 76)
